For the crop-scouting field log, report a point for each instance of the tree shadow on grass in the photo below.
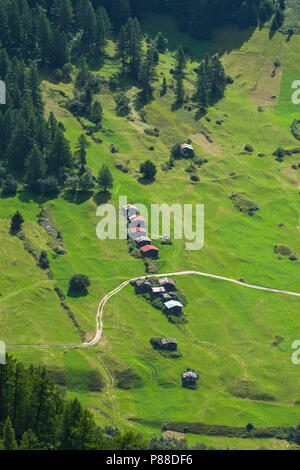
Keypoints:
(175, 106)
(146, 181)
(102, 197)
(75, 294)
(200, 113)
(28, 196)
(79, 197)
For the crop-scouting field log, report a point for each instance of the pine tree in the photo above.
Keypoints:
(4, 63)
(161, 43)
(16, 223)
(9, 438)
(35, 168)
(83, 75)
(181, 60)
(147, 74)
(9, 186)
(51, 126)
(88, 25)
(86, 182)
(59, 53)
(96, 114)
(80, 153)
(29, 441)
(62, 15)
(59, 158)
(134, 35)
(84, 436)
(218, 83)
(148, 170)
(122, 47)
(70, 419)
(164, 87)
(44, 37)
(105, 179)
(179, 90)
(33, 88)
(100, 34)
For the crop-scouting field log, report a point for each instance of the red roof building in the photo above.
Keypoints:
(150, 251)
(137, 232)
(138, 221)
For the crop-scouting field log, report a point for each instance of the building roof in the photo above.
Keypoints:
(172, 304)
(147, 248)
(138, 229)
(189, 373)
(137, 218)
(143, 239)
(166, 280)
(139, 282)
(187, 146)
(129, 206)
(158, 290)
(168, 340)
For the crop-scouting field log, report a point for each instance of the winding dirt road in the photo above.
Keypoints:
(100, 311)
(99, 316)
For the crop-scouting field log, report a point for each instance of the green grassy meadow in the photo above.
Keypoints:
(230, 331)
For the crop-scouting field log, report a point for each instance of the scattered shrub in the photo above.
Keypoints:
(44, 262)
(282, 250)
(154, 132)
(195, 178)
(243, 204)
(79, 283)
(249, 148)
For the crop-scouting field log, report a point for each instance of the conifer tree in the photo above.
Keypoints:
(96, 113)
(105, 179)
(9, 438)
(80, 153)
(164, 87)
(179, 90)
(16, 223)
(35, 168)
(180, 60)
(60, 157)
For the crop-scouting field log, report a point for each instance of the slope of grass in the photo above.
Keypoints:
(231, 330)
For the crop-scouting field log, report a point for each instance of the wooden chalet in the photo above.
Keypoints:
(136, 232)
(174, 307)
(150, 251)
(158, 291)
(138, 221)
(168, 284)
(169, 344)
(189, 379)
(142, 241)
(129, 210)
(187, 150)
(142, 286)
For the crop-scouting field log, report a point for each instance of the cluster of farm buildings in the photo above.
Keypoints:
(138, 231)
(166, 290)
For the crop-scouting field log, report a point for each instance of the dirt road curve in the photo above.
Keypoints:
(99, 316)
